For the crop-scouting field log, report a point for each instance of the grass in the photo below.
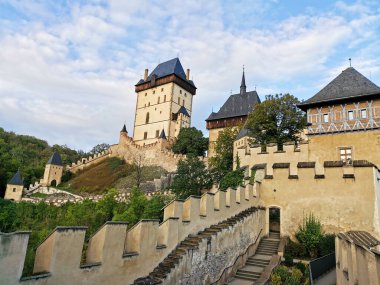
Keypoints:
(39, 195)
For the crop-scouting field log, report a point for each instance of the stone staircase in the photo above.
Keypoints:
(191, 242)
(255, 264)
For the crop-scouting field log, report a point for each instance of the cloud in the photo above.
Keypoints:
(67, 72)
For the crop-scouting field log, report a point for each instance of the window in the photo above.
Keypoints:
(183, 102)
(148, 103)
(158, 100)
(164, 98)
(350, 115)
(179, 101)
(345, 154)
(146, 94)
(145, 135)
(325, 118)
(14, 189)
(185, 94)
(180, 91)
(147, 118)
(162, 89)
(363, 113)
(157, 133)
(154, 91)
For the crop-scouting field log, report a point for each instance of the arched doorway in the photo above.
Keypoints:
(53, 183)
(274, 219)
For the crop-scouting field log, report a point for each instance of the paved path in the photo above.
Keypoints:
(327, 279)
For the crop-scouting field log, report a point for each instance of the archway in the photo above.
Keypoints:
(274, 219)
(53, 183)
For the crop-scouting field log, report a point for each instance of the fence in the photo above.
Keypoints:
(320, 266)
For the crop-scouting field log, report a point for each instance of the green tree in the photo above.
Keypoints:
(99, 148)
(310, 234)
(190, 141)
(192, 176)
(232, 179)
(276, 120)
(222, 162)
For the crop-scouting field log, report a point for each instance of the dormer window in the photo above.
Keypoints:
(363, 113)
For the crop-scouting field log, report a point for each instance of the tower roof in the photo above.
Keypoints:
(350, 84)
(124, 129)
(183, 111)
(16, 179)
(162, 135)
(55, 159)
(243, 87)
(166, 68)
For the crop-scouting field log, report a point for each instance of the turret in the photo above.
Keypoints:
(53, 171)
(14, 188)
(123, 135)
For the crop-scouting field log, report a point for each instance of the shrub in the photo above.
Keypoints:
(282, 271)
(296, 249)
(327, 244)
(288, 258)
(310, 234)
(66, 176)
(297, 274)
(275, 279)
(292, 280)
(301, 267)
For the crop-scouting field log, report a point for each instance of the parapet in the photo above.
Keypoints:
(115, 253)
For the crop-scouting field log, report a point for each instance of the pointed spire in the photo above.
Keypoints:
(162, 135)
(243, 87)
(16, 179)
(124, 129)
(55, 159)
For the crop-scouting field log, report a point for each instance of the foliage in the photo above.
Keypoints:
(301, 266)
(296, 249)
(289, 276)
(28, 154)
(277, 119)
(281, 271)
(232, 179)
(190, 141)
(275, 279)
(288, 258)
(310, 234)
(192, 176)
(222, 162)
(99, 148)
(66, 176)
(327, 244)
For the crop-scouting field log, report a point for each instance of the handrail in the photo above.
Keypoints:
(321, 265)
(248, 248)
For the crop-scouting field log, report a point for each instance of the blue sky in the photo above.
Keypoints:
(68, 68)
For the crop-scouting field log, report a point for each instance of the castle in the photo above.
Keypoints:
(332, 172)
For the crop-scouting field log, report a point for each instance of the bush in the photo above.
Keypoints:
(288, 258)
(297, 274)
(282, 271)
(310, 234)
(66, 176)
(327, 244)
(292, 280)
(301, 267)
(275, 279)
(296, 249)
(232, 179)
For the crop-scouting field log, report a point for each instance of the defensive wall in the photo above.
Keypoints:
(342, 197)
(357, 258)
(88, 161)
(117, 254)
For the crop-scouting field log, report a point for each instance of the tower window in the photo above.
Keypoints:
(14, 189)
(350, 115)
(158, 100)
(157, 133)
(183, 102)
(146, 94)
(345, 154)
(147, 118)
(162, 89)
(325, 118)
(363, 113)
(145, 135)
(148, 103)
(154, 91)
(180, 91)
(185, 94)
(164, 98)
(179, 101)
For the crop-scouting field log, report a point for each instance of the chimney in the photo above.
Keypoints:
(146, 74)
(187, 74)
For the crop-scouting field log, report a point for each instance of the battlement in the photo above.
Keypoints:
(115, 252)
(86, 162)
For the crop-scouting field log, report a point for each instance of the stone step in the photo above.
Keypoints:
(248, 274)
(257, 259)
(257, 262)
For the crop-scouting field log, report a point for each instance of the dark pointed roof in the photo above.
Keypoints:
(124, 129)
(166, 68)
(242, 133)
(243, 87)
(236, 105)
(349, 84)
(162, 135)
(183, 111)
(16, 179)
(55, 159)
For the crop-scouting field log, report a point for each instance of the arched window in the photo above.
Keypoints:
(147, 118)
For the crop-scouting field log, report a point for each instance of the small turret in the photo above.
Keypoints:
(162, 135)
(123, 135)
(14, 188)
(243, 87)
(53, 170)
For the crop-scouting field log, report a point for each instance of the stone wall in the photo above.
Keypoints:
(116, 254)
(88, 161)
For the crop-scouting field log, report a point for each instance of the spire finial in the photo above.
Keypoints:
(243, 87)
(349, 61)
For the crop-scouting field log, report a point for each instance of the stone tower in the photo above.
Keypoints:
(53, 171)
(14, 188)
(164, 102)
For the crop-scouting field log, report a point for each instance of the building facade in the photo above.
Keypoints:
(14, 188)
(233, 113)
(53, 171)
(164, 102)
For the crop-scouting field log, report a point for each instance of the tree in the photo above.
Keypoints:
(276, 120)
(99, 148)
(310, 234)
(222, 162)
(190, 141)
(232, 179)
(192, 176)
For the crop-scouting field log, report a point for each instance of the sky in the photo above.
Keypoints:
(68, 68)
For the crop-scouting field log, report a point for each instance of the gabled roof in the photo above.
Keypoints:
(55, 159)
(183, 111)
(349, 84)
(162, 135)
(166, 68)
(16, 179)
(236, 105)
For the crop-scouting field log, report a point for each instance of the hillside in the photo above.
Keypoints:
(112, 172)
(29, 154)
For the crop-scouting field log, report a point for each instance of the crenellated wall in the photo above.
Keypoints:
(343, 197)
(86, 162)
(116, 254)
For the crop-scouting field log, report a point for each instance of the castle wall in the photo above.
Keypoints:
(13, 192)
(52, 173)
(89, 161)
(343, 198)
(115, 254)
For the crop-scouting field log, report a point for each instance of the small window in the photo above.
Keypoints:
(345, 154)
(164, 98)
(160, 112)
(350, 115)
(185, 94)
(363, 113)
(180, 91)
(158, 100)
(183, 102)
(157, 133)
(162, 89)
(145, 135)
(154, 91)
(325, 118)
(147, 118)
(14, 189)
(146, 94)
(148, 104)
(179, 101)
